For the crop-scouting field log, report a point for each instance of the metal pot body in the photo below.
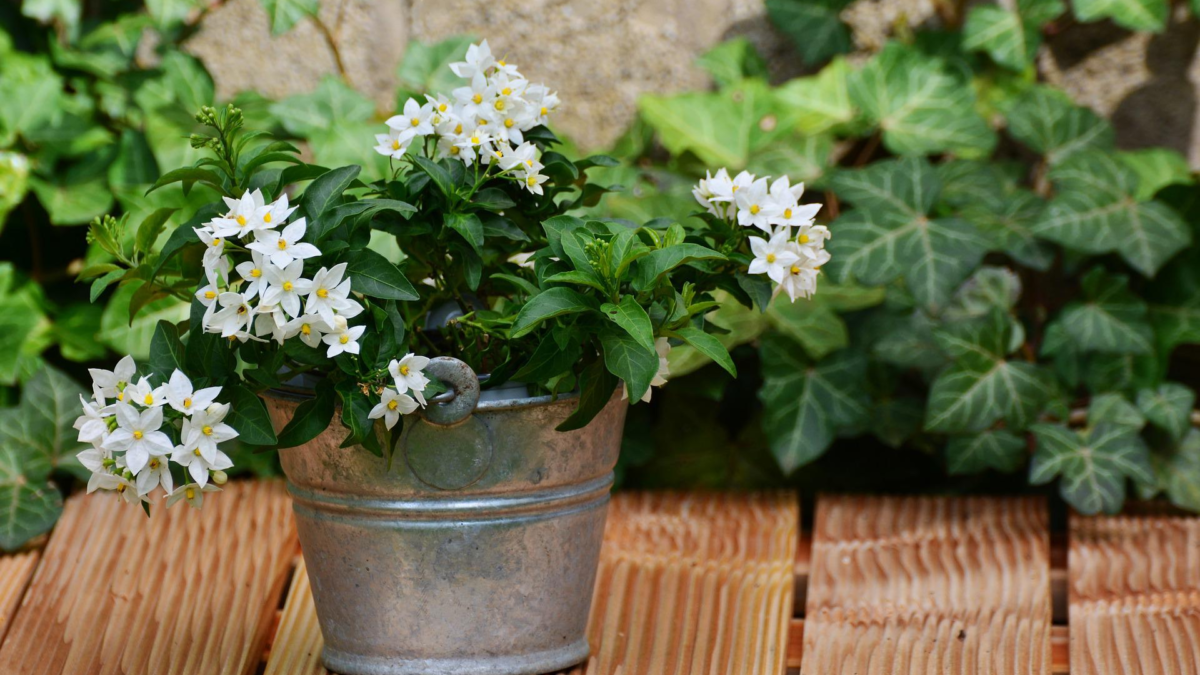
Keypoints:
(475, 553)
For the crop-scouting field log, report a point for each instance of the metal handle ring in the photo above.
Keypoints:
(456, 404)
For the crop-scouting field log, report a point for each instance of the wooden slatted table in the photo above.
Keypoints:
(689, 583)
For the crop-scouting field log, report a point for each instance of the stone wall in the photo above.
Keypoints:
(601, 55)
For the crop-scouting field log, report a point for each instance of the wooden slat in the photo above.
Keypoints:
(687, 584)
(920, 585)
(1134, 595)
(178, 593)
(15, 572)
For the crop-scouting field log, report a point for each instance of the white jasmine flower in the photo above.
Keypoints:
(801, 278)
(216, 269)
(343, 341)
(415, 120)
(473, 98)
(93, 423)
(790, 212)
(392, 144)
(327, 292)
(542, 104)
(243, 218)
(274, 214)
(392, 406)
(145, 394)
(214, 249)
(755, 207)
(285, 287)
(270, 320)
(772, 257)
(93, 459)
(442, 109)
(478, 60)
(181, 396)
(111, 383)
(126, 491)
(281, 248)
(234, 317)
(663, 347)
(409, 374)
(448, 146)
(310, 327)
(472, 145)
(192, 493)
(204, 430)
(198, 465)
(138, 436)
(253, 272)
(156, 473)
(532, 180)
(811, 238)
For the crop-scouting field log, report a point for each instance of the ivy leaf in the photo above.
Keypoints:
(814, 26)
(333, 104)
(814, 324)
(1175, 301)
(1010, 36)
(1169, 407)
(41, 430)
(1048, 122)
(630, 316)
(1136, 15)
(1156, 168)
(1095, 212)
(806, 403)
(425, 67)
(1115, 409)
(997, 449)
(1111, 319)
(31, 507)
(921, 104)
(1007, 226)
(721, 128)
(283, 14)
(1094, 464)
(548, 304)
(731, 62)
(821, 102)
(890, 235)
(1181, 472)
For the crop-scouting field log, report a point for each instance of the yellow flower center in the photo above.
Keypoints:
(207, 430)
(216, 241)
(507, 91)
(282, 244)
(393, 404)
(475, 139)
(458, 129)
(795, 269)
(138, 435)
(396, 144)
(189, 493)
(502, 63)
(287, 286)
(344, 339)
(322, 293)
(267, 217)
(149, 399)
(209, 295)
(754, 209)
(416, 121)
(770, 257)
(508, 123)
(120, 396)
(256, 273)
(499, 104)
(154, 463)
(454, 149)
(306, 329)
(121, 487)
(803, 239)
(531, 181)
(196, 452)
(477, 98)
(499, 153)
(544, 111)
(787, 213)
(404, 370)
(735, 188)
(187, 402)
(441, 107)
(241, 220)
(241, 310)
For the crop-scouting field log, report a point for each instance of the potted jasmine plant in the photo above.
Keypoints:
(449, 417)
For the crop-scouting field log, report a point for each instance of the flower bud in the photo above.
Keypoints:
(339, 323)
(220, 477)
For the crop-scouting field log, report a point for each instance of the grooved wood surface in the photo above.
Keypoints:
(687, 584)
(1134, 595)
(15, 572)
(182, 592)
(914, 585)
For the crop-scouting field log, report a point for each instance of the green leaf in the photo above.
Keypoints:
(135, 163)
(921, 104)
(333, 104)
(805, 404)
(731, 62)
(630, 316)
(596, 387)
(1048, 122)
(1169, 407)
(630, 361)
(721, 128)
(425, 67)
(326, 191)
(821, 102)
(524, 285)
(1175, 301)
(548, 360)
(14, 181)
(1115, 409)
(1095, 212)
(1137, 15)
(1181, 473)
(1111, 319)
(188, 80)
(166, 351)
(710, 346)
(469, 226)
(33, 93)
(134, 338)
(187, 176)
(64, 12)
(660, 261)
(1156, 168)
(372, 274)
(73, 203)
(21, 321)
(1007, 226)
(150, 229)
(356, 410)
(248, 415)
(311, 417)
(814, 325)
(1010, 36)
(550, 303)
(890, 234)
(40, 431)
(1094, 464)
(815, 27)
(283, 14)
(998, 449)
(30, 508)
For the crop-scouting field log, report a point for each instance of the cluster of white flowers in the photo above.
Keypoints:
(793, 250)
(484, 121)
(130, 451)
(409, 377)
(269, 297)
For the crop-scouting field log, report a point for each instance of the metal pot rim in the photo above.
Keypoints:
(297, 394)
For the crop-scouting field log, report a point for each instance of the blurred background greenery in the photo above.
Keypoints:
(841, 393)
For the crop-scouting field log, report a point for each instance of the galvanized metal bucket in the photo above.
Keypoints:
(475, 554)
